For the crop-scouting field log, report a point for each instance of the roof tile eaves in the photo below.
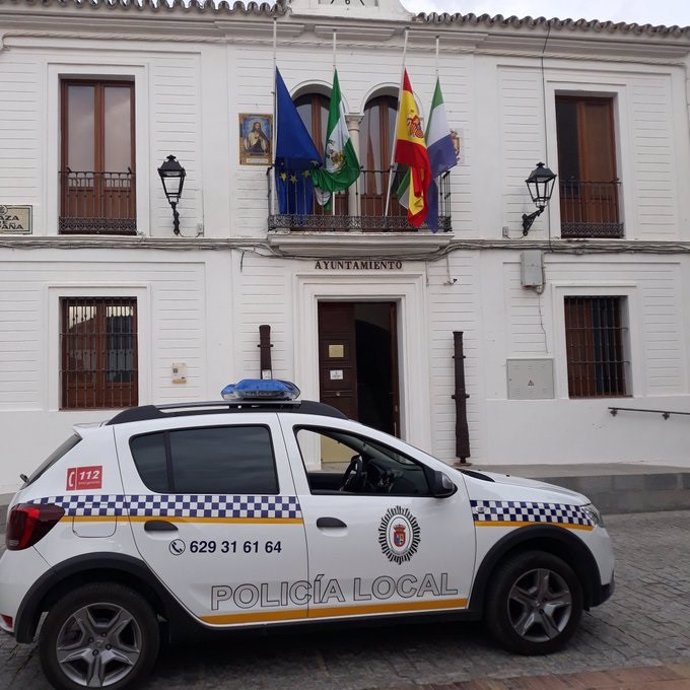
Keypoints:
(204, 6)
(534, 22)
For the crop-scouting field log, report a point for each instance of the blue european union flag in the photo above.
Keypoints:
(296, 155)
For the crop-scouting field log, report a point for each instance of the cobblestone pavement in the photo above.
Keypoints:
(640, 637)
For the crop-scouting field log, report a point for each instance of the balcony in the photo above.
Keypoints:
(97, 203)
(359, 209)
(590, 209)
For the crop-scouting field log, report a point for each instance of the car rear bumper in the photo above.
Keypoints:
(18, 569)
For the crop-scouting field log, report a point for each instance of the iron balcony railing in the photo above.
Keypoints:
(100, 203)
(360, 208)
(590, 209)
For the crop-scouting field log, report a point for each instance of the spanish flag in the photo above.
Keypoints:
(410, 150)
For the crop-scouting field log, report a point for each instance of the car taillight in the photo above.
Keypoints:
(27, 523)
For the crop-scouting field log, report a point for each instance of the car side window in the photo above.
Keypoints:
(343, 463)
(210, 460)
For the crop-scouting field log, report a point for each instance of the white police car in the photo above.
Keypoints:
(263, 509)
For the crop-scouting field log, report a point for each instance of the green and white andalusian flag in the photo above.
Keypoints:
(341, 167)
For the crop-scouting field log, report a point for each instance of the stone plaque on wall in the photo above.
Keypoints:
(15, 220)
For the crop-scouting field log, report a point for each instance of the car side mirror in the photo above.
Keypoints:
(441, 485)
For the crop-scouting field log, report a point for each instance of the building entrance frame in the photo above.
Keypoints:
(407, 290)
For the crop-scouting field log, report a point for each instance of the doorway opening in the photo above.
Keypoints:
(358, 361)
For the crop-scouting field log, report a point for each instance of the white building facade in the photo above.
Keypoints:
(586, 311)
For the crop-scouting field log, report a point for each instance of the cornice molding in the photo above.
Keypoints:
(434, 20)
(370, 244)
(239, 23)
(356, 32)
(409, 246)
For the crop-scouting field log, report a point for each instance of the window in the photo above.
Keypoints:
(588, 181)
(97, 176)
(595, 346)
(352, 464)
(62, 450)
(209, 460)
(98, 344)
(313, 109)
(377, 136)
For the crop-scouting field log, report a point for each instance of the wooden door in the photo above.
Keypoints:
(587, 160)
(97, 151)
(358, 362)
(598, 161)
(338, 357)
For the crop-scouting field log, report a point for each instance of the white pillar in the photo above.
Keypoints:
(353, 123)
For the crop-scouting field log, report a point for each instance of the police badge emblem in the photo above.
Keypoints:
(399, 534)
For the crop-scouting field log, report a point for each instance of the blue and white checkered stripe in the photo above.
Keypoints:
(527, 511)
(178, 505)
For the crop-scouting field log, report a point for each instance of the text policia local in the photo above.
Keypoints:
(322, 591)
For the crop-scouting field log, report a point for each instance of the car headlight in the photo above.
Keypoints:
(593, 514)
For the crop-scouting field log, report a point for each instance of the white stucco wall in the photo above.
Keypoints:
(201, 304)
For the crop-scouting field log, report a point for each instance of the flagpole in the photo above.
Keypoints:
(334, 32)
(438, 186)
(275, 114)
(390, 167)
(438, 42)
(334, 68)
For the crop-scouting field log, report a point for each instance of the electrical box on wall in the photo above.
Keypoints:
(532, 268)
(179, 372)
(530, 379)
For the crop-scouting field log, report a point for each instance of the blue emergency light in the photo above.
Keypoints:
(260, 389)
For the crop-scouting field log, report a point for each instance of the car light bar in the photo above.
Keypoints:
(260, 389)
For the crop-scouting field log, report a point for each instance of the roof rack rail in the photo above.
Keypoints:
(230, 403)
(150, 412)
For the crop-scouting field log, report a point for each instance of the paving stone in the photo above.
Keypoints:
(645, 624)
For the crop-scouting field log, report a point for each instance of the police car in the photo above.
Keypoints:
(262, 509)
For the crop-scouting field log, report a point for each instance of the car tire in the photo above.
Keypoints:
(534, 603)
(101, 631)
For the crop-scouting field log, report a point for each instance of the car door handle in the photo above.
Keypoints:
(330, 522)
(159, 526)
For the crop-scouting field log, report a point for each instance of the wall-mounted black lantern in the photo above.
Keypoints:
(540, 184)
(172, 176)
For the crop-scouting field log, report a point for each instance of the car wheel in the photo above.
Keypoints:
(534, 603)
(101, 635)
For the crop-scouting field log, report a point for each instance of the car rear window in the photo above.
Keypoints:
(210, 460)
(59, 452)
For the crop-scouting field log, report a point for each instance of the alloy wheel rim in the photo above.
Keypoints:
(540, 605)
(99, 645)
